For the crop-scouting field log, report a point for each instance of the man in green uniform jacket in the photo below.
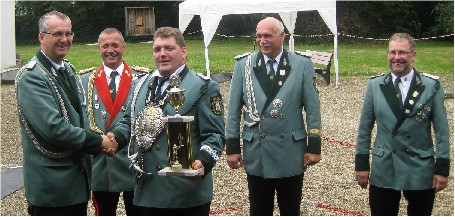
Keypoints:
(404, 104)
(142, 126)
(52, 114)
(277, 145)
(107, 88)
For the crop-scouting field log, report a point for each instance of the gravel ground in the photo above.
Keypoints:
(329, 189)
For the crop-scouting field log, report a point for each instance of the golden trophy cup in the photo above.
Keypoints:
(178, 130)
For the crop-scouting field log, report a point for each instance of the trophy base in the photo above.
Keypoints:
(168, 171)
(177, 119)
(176, 167)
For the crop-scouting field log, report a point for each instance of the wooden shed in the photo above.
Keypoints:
(140, 21)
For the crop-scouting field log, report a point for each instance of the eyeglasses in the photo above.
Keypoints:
(60, 35)
(400, 53)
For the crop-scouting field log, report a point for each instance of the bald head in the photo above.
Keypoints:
(270, 36)
(273, 23)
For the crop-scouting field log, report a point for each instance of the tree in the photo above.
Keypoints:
(444, 19)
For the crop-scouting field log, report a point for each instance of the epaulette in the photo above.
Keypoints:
(434, 77)
(305, 54)
(241, 56)
(375, 76)
(206, 78)
(137, 76)
(31, 64)
(85, 71)
(140, 69)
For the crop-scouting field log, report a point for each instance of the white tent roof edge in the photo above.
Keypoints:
(211, 13)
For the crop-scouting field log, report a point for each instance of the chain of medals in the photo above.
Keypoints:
(251, 107)
(91, 116)
(144, 129)
(46, 152)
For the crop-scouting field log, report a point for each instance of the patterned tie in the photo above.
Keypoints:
(271, 69)
(112, 86)
(398, 91)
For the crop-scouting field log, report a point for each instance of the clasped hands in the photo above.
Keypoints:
(109, 145)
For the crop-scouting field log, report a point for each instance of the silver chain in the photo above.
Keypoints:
(251, 107)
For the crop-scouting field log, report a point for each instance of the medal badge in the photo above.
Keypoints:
(277, 103)
(217, 107)
(274, 113)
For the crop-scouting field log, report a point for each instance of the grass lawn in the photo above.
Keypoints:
(353, 58)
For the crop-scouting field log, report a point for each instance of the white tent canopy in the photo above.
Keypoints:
(211, 13)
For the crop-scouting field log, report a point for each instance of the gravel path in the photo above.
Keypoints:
(328, 189)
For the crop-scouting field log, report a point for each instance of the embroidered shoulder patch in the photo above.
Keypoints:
(434, 77)
(85, 71)
(241, 56)
(205, 78)
(31, 64)
(375, 76)
(140, 69)
(305, 54)
(217, 105)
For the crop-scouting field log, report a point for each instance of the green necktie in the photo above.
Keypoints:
(112, 86)
(398, 91)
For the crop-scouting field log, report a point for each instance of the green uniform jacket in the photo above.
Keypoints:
(208, 142)
(274, 132)
(109, 174)
(403, 156)
(53, 136)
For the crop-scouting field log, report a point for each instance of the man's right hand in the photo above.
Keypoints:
(234, 161)
(362, 178)
(109, 145)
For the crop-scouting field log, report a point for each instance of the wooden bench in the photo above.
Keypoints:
(322, 62)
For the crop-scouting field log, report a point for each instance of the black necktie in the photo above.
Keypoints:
(271, 69)
(62, 74)
(161, 81)
(69, 86)
(112, 86)
(398, 91)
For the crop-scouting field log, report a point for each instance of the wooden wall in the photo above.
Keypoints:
(139, 21)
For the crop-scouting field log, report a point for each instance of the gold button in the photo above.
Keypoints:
(157, 147)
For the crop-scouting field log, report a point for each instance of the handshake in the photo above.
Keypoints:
(109, 145)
